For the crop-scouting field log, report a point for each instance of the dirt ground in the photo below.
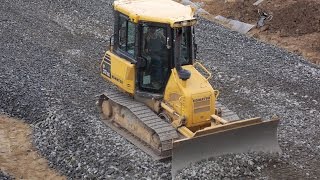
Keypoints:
(18, 158)
(295, 24)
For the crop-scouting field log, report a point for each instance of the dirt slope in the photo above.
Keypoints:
(17, 155)
(295, 25)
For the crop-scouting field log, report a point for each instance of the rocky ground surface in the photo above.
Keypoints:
(50, 54)
(4, 176)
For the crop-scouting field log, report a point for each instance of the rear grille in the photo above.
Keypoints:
(201, 109)
(201, 105)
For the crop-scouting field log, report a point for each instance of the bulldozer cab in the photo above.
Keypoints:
(153, 48)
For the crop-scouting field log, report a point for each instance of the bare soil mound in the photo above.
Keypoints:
(295, 25)
(296, 19)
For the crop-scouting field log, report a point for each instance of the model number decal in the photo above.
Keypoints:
(106, 69)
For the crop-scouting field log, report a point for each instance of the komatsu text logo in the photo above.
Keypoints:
(202, 99)
(117, 79)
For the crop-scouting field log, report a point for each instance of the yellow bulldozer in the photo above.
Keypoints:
(163, 101)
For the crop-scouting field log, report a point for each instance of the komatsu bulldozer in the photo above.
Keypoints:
(163, 101)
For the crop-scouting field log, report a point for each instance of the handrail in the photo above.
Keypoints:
(204, 69)
(216, 93)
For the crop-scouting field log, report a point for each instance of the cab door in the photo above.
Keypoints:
(154, 52)
(118, 64)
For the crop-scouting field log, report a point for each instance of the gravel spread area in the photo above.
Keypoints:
(50, 54)
(4, 176)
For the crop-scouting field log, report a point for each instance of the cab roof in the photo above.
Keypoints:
(161, 11)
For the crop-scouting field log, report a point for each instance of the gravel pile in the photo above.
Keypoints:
(4, 176)
(239, 166)
(50, 63)
(50, 53)
(257, 79)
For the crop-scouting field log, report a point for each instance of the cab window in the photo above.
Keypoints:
(185, 47)
(154, 51)
(127, 36)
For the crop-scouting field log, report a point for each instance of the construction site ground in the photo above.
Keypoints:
(294, 25)
(17, 155)
(49, 77)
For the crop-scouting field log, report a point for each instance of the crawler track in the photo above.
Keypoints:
(147, 117)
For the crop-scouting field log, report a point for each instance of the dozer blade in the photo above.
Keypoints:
(256, 137)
